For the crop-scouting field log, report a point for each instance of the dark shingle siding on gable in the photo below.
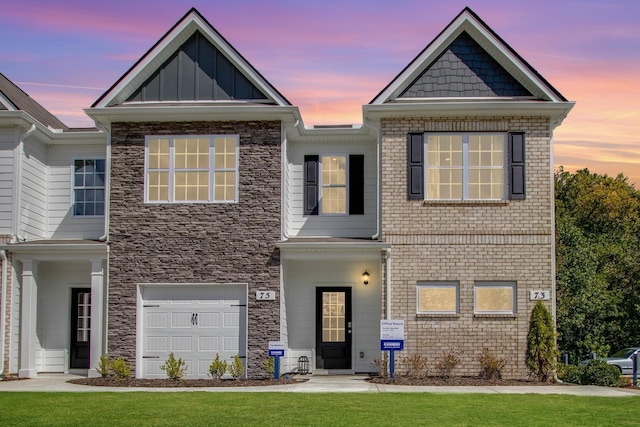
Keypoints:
(464, 70)
(197, 72)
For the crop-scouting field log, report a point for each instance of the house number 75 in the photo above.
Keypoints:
(265, 295)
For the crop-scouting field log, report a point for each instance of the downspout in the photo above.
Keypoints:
(283, 184)
(388, 259)
(378, 183)
(17, 184)
(553, 233)
(3, 310)
(107, 189)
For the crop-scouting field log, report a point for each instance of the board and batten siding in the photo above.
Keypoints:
(7, 145)
(62, 224)
(33, 222)
(300, 225)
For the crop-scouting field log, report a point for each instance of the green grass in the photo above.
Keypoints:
(317, 409)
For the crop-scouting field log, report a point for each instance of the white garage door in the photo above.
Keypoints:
(193, 322)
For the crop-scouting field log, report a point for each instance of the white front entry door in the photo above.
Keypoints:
(193, 322)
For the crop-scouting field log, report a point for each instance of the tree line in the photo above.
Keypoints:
(597, 263)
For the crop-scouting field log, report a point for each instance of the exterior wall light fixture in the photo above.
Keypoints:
(365, 277)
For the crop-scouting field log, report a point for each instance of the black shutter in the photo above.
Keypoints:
(415, 166)
(356, 184)
(311, 185)
(516, 166)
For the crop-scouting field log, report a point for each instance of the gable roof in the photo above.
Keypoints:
(465, 49)
(130, 88)
(12, 98)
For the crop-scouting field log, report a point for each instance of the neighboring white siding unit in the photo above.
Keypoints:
(62, 224)
(7, 144)
(33, 214)
(14, 322)
(299, 225)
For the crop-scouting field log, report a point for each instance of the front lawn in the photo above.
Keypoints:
(321, 409)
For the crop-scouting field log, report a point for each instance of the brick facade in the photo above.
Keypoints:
(468, 242)
(195, 242)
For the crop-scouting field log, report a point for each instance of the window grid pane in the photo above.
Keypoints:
(445, 167)
(88, 192)
(334, 184)
(83, 331)
(333, 316)
(486, 167)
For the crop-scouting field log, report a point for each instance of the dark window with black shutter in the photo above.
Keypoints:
(415, 166)
(355, 192)
(516, 166)
(311, 185)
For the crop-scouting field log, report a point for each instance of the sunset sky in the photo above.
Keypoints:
(330, 57)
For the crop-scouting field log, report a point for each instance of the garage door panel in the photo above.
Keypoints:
(209, 344)
(181, 319)
(231, 319)
(152, 368)
(208, 320)
(156, 320)
(230, 344)
(155, 344)
(181, 344)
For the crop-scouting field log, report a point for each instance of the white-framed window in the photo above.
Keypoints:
(333, 184)
(191, 169)
(438, 298)
(465, 166)
(88, 187)
(494, 297)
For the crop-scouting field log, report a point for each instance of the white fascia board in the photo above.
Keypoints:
(150, 63)
(173, 113)
(51, 136)
(7, 104)
(53, 252)
(467, 22)
(358, 133)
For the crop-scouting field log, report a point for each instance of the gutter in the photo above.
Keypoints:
(378, 183)
(388, 259)
(283, 159)
(17, 184)
(3, 310)
(107, 189)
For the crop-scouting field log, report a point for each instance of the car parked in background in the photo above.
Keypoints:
(622, 359)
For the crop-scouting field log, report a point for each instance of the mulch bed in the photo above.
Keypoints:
(167, 383)
(454, 381)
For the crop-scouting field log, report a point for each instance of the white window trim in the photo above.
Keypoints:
(73, 186)
(496, 285)
(321, 186)
(212, 169)
(437, 284)
(465, 165)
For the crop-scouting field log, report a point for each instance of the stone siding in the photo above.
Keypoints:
(467, 242)
(196, 242)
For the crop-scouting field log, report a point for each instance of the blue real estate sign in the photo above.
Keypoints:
(276, 348)
(391, 335)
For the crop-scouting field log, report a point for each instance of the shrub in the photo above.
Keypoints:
(218, 368)
(447, 363)
(570, 373)
(379, 367)
(174, 368)
(104, 366)
(237, 367)
(599, 372)
(269, 365)
(416, 365)
(120, 369)
(541, 344)
(490, 365)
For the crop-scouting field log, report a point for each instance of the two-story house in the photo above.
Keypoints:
(202, 217)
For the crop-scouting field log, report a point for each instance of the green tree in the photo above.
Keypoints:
(598, 262)
(541, 343)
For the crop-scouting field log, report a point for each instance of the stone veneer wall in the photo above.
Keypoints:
(196, 242)
(468, 242)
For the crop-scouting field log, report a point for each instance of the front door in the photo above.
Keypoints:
(333, 328)
(80, 328)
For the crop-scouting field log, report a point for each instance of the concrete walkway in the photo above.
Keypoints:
(315, 384)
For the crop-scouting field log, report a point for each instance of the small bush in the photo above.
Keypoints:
(237, 367)
(416, 365)
(447, 363)
(104, 366)
(599, 372)
(218, 368)
(379, 367)
(120, 369)
(570, 373)
(174, 368)
(269, 365)
(490, 365)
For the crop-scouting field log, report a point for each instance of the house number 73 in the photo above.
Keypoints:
(540, 295)
(265, 295)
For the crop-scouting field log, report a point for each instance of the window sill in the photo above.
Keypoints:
(465, 202)
(452, 316)
(494, 316)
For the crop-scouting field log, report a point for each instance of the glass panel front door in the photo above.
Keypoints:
(333, 328)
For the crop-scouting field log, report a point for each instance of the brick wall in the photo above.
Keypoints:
(197, 242)
(468, 242)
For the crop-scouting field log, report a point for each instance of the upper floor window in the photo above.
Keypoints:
(88, 187)
(466, 166)
(200, 168)
(334, 184)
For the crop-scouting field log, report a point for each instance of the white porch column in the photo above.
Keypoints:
(97, 316)
(28, 319)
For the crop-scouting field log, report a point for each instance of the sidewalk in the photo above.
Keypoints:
(316, 384)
